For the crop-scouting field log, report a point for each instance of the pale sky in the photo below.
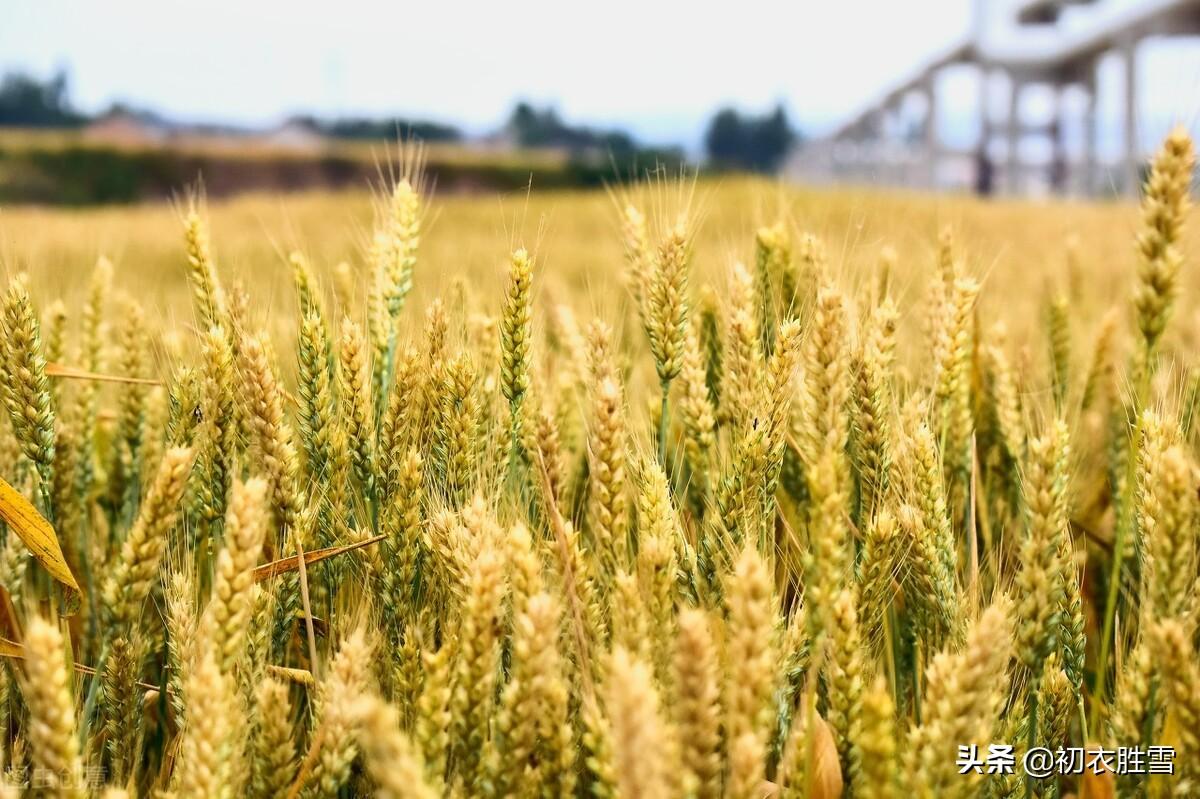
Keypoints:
(658, 68)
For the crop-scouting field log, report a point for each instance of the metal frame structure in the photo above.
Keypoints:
(1040, 51)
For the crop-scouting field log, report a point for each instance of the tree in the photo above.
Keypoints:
(531, 127)
(380, 128)
(27, 102)
(758, 144)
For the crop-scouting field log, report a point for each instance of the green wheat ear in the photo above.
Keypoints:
(516, 333)
(26, 388)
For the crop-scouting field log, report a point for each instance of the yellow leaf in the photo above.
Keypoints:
(1097, 785)
(825, 772)
(11, 649)
(33, 529)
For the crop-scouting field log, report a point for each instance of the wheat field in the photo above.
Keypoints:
(689, 489)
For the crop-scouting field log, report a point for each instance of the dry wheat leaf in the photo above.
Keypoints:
(825, 772)
(11, 649)
(70, 372)
(39, 537)
(1097, 786)
(292, 562)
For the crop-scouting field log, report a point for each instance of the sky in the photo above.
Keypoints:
(657, 68)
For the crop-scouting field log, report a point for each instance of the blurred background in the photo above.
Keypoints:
(130, 101)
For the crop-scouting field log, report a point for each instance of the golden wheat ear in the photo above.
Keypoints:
(141, 553)
(749, 669)
(964, 693)
(643, 743)
(395, 766)
(53, 739)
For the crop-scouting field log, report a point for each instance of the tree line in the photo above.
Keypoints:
(733, 140)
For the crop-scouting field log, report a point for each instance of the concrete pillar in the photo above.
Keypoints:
(932, 144)
(1132, 159)
(1058, 142)
(1013, 159)
(1089, 182)
(875, 165)
(984, 179)
(892, 147)
(985, 116)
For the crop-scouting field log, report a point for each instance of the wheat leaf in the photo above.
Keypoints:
(39, 537)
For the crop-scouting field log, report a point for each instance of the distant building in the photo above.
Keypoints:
(294, 134)
(127, 128)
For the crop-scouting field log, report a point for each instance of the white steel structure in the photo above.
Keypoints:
(1020, 44)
